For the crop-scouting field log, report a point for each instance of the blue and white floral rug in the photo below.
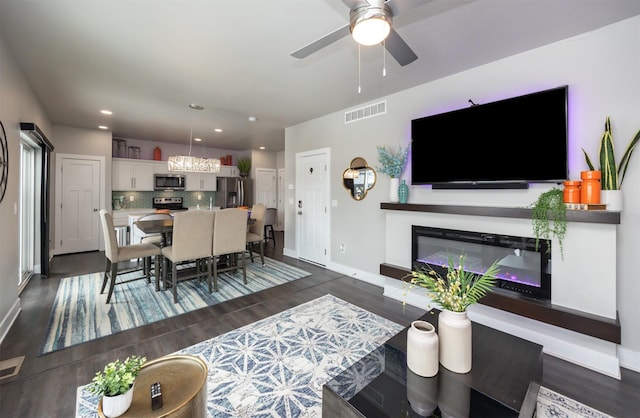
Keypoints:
(276, 367)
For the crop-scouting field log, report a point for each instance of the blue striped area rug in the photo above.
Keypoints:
(80, 313)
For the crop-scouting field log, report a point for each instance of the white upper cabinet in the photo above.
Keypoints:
(229, 171)
(200, 182)
(132, 175)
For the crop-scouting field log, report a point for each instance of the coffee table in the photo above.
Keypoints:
(504, 381)
(183, 379)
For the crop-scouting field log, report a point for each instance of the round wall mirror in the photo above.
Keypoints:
(359, 178)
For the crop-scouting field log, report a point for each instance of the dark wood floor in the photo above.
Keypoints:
(46, 385)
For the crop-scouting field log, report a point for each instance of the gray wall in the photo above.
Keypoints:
(18, 103)
(601, 69)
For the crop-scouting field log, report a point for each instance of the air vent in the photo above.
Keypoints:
(365, 112)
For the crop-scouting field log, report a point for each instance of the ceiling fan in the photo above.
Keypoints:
(372, 13)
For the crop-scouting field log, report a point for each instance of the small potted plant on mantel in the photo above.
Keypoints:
(115, 385)
(612, 175)
(392, 163)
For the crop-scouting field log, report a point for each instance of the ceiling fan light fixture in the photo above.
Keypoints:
(371, 25)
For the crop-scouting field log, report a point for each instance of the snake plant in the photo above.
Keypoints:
(612, 176)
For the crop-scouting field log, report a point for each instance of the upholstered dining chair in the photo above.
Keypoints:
(191, 241)
(255, 233)
(229, 239)
(116, 254)
(155, 239)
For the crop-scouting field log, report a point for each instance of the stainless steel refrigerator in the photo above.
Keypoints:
(232, 192)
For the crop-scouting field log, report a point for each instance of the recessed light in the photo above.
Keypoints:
(195, 106)
(197, 139)
(103, 127)
(106, 112)
(218, 130)
(252, 119)
(262, 147)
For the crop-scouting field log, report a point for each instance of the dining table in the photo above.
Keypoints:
(164, 227)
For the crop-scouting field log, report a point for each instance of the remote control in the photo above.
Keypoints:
(156, 396)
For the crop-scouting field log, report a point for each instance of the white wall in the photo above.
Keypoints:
(601, 69)
(18, 103)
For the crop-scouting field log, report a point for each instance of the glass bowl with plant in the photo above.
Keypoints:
(459, 288)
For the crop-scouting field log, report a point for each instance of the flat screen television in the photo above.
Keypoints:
(504, 144)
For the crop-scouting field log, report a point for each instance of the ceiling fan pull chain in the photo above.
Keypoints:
(384, 59)
(359, 89)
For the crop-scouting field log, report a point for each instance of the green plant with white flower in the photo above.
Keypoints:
(459, 288)
(117, 377)
(392, 162)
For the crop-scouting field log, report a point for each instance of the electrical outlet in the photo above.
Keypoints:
(343, 250)
(131, 198)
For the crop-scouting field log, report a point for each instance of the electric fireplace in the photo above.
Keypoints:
(523, 268)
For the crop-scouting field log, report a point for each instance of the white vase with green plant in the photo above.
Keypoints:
(612, 173)
(454, 293)
(115, 385)
(392, 163)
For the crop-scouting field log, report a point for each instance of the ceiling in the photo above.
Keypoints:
(147, 60)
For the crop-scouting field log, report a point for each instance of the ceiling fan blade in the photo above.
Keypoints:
(399, 49)
(322, 42)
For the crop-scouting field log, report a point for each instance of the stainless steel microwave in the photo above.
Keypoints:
(169, 181)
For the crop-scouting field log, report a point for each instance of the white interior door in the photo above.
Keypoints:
(78, 205)
(312, 206)
(266, 187)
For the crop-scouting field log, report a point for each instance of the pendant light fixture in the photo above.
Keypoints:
(189, 163)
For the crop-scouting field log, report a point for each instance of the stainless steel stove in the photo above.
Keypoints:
(168, 203)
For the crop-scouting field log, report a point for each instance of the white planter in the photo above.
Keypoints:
(114, 406)
(612, 198)
(393, 190)
(422, 349)
(454, 332)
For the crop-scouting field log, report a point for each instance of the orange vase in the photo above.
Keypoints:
(572, 191)
(590, 191)
(157, 154)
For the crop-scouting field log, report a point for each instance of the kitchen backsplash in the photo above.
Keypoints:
(133, 200)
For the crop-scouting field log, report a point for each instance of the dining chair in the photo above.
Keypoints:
(270, 219)
(255, 233)
(229, 239)
(116, 254)
(155, 239)
(191, 242)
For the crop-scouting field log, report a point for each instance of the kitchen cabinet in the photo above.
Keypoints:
(229, 171)
(200, 182)
(131, 175)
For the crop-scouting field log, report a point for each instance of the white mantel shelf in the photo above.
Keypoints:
(592, 216)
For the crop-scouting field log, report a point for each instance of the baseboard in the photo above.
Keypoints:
(365, 276)
(290, 252)
(629, 359)
(9, 319)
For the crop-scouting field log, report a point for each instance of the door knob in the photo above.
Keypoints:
(95, 210)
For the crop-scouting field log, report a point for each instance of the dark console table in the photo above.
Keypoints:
(504, 381)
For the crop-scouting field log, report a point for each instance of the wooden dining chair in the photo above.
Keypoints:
(192, 232)
(116, 254)
(229, 239)
(270, 219)
(255, 233)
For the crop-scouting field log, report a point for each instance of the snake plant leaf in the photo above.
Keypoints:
(624, 162)
(589, 163)
(609, 179)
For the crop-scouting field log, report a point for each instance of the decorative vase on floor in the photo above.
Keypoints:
(454, 333)
(403, 192)
(422, 349)
(114, 406)
(393, 190)
(612, 198)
